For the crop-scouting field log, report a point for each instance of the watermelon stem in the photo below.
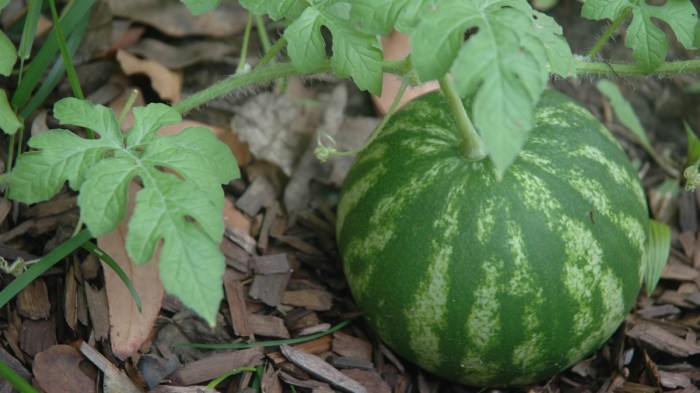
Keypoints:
(472, 146)
(608, 33)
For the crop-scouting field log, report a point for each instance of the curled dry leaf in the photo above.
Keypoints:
(167, 83)
(130, 328)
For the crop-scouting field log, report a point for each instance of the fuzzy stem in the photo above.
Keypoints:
(600, 68)
(472, 145)
(608, 33)
(256, 77)
(262, 75)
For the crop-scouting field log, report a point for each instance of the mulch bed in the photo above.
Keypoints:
(284, 280)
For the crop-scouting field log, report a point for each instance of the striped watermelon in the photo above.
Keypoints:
(493, 282)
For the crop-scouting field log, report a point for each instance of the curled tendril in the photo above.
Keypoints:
(692, 177)
(323, 152)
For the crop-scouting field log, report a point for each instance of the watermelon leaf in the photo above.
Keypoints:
(198, 7)
(355, 54)
(9, 123)
(658, 248)
(648, 43)
(380, 16)
(504, 64)
(191, 263)
(8, 55)
(277, 9)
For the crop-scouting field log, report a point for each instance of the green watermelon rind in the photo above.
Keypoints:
(552, 253)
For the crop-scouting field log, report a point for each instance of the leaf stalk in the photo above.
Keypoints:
(608, 33)
(472, 146)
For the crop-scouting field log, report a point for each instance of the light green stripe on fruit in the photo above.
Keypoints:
(522, 281)
(523, 284)
(484, 321)
(536, 195)
(486, 221)
(364, 248)
(581, 270)
(426, 315)
(613, 309)
(634, 230)
(552, 116)
(592, 191)
(538, 161)
(358, 190)
(616, 171)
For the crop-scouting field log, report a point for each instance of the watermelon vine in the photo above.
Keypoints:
(493, 60)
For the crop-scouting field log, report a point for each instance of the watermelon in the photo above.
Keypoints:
(488, 280)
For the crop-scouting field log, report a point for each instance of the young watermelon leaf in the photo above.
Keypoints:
(180, 207)
(504, 64)
(355, 54)
(381, 16)
(198, 7)
(8, 55)
(648, 43)
(277, 9)
(9, 123)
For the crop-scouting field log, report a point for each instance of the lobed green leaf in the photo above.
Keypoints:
(181, 210)
(355, 54)
(504, 64)
(147, 120)
(62, 156)
(191, 264)
(277, 9)
(381, 16)
(648, 42)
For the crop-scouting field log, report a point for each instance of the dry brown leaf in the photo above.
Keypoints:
(173, 18)
(178, 57)
(165, 82)
(57, 370)
(268, 124)
(130, 328)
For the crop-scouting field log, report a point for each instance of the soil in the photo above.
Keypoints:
(73, 329)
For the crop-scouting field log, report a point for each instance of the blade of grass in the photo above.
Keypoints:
(54, 76)
(271, 343)
(74, 14)
(41, 266)
(101, 254)
(67, 57)
(8, 374)
(29, 30)
(216, 381)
